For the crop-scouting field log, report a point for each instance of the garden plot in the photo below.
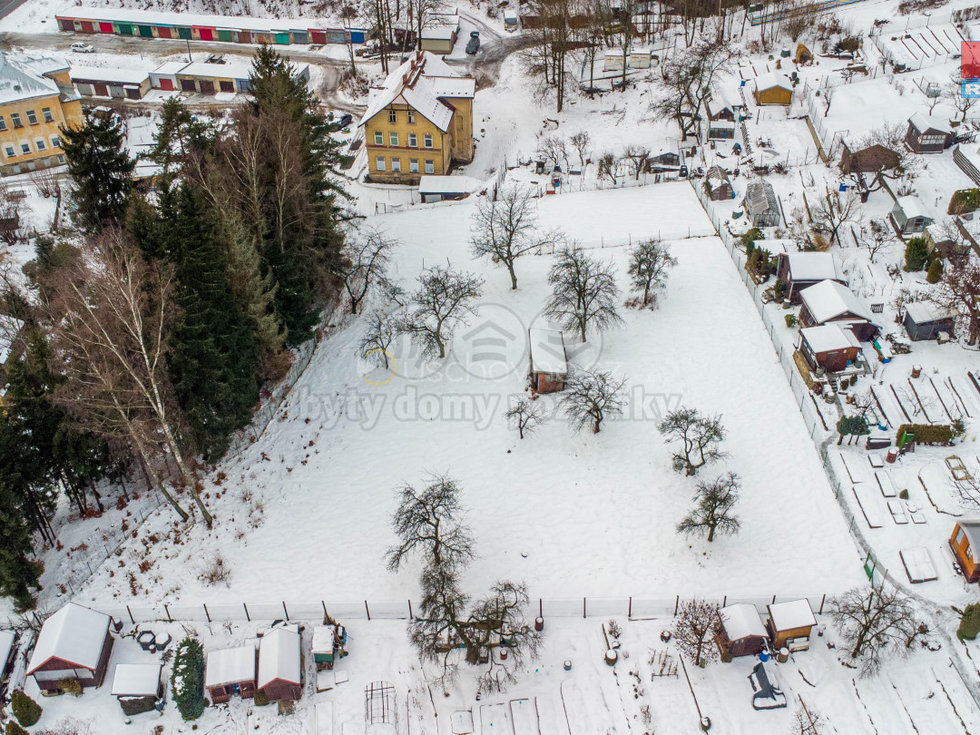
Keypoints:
(922, 46)
(572, 514)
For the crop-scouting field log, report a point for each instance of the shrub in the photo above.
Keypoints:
(749, 238)
(916, 254)
(963, 201)
(261, 698)
(779, 289)
(851, 43)
(726, 658)
(903, 494)
(25, 709)
(187, 679)
(935, 271)
(936, 434)
(969, 623)
(857, 425)
(286, 707)
(791, 320)
(71, 686)
(14, 729)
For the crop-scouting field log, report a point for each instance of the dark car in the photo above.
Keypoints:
(344, 121)
(474, 43)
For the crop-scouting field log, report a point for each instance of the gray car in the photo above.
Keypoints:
(473, 45)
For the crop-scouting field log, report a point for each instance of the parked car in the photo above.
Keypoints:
(474, 43)
(80, 47)
(344, 121)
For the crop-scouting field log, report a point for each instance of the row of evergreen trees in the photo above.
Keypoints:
(247, 218)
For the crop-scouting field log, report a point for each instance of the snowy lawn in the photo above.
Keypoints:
(572, 514)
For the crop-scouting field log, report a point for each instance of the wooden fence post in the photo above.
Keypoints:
(410, 615)
(367, 610)
(206, 613)
(724, 601)
(822, 600)
(324, 606)
(247, 616)
(583, 607)
(677, 604)
(540, 608)
(285, 611)
(131, 619)
(629, 609)
(166, 609)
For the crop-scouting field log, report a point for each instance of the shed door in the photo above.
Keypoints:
(207, 34)
(282, 38)
(187, 85)
(207, 86)
(167, 84)
(184, 32)
(357, 36)
(87, 26)
(224, 35)
(116, 90)
(319, 37)
(146, 31)
(102, 90)
(300, 37)
(106, 28)
(226, 86)
(126, 29)
(133, 93)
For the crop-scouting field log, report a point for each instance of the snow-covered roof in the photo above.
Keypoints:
(741, 621)
(7, 638)
(922, 123)
(279, 657)
(829, 337)
(108, 75)
(789, 615)
(230, 665)
(722, 124)
(136, 680)
(716, 176)
(323, 638)
(812, 266)
(25, 77)
(171, 19)
(924, 311)
(776, 245)
(760, 197)
(228, 70)
(829, 299)
(911, 206)
(170, 68)
(448, 184)
(971, 528)
(419, 84)
(74, 634)
(547, 351)
(773, 79)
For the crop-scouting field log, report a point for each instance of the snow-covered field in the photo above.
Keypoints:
(572, 514)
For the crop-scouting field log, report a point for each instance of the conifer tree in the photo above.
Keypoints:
(101, 170)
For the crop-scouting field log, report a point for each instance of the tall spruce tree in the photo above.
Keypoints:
(214, 363)
(100, 168)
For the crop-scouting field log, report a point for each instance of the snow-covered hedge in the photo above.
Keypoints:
(187, 680)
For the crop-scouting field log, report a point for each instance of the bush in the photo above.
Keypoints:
(903, 494)
(791, 320)
(14, 729)
(935, 434)
(261, 699)
(856, 425)
(71, 686)
(779, 289)
(851, 43)
(916, 254)
(969, 623)
(963, 201)
(25, 709)
(187, 679)
(935, 270)
(749, 238)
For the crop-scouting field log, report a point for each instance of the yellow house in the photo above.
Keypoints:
(36, 100)
(419, 122)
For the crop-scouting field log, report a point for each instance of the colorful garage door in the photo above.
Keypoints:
(300, 37)
(164, 32)
(206, 34)
(146, 31)
(225, 35)
(87, 26)
(126, 29)
(166, 83)
(66, 24)
(184, 32)
(319, 36)
(106, 27)
(282, 37)
(226, 86)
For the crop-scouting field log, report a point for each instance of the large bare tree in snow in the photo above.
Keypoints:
(584, 292)
(650, 262)
(364, 263)
(506, 229)
(959, 291)
(694, 628)
(714, 508)
(591, 396)
(699, 437)
(444, 300)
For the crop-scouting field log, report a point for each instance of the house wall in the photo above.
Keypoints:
(221, 694)
(440, 154)
(68, 114)
(914, 140)
(722, 192)
(547, 382)
(462, 129)
(67, 670)
(927, 330)
(830, 360)
(279, 689)
(970, 570)
(779, 637)
(773, 96)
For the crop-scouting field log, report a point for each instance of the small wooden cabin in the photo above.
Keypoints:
(280, 664)
(928, 134)
(829, 347)
(74, 643)
(923, 320)
(741, 632)
(548, 361)
(718, 185)
(802, 270)
(773, 88)
(137, 687)
(829, 301)
(327, 640)
(909, 216)
(231, 671)
(789, 624)
(868, 160)
(963, 542)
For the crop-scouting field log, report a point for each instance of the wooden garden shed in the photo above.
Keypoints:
(789, 624)
(280, 666)
(718, 185)
(928, 134)
(829, 347)
(830, 301)
(548, 361)
(923, 320)
(137, 687)
(910, 216)
(964, 544)
(74, 643)
(231, 671)
(741, 632)
(773, 88)
(802, 270)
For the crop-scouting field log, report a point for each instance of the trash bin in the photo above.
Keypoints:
(891, 456)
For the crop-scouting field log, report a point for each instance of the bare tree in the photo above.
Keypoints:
(872, 622)
(714, 508)
(650, 262)
(608, 166)
(551, 41)
(525, 415)
(429, 522)
(694, 627)
(506, 229)
(875, 237)
(688, 77)
(636, 158)
(364, 263)
(382, 330)
(959, 291)
(554, 149)
(699, 437)
(111, 326)
(591, 396)
(443, 300)
(499, 616)
(954, 94)
(832, 212)
(584, 292)
(807, 721)
(580, 142)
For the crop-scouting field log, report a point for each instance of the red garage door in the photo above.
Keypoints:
(319, 36)
(102, 90)
(164, 32)
(87, 27)
(207, 34)
(167, 84)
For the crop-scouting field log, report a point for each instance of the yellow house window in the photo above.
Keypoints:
(396, 164)
(3, 123)
(428, 140)
(11, 153)
(15, 119)
(429, 167)
(413, 140)
(379, 163)
(25, 148)
(393, 139)
(40, 144)
(392, 116)
(411, 117)
(55, 141)
(32, 117)
(413, 165)
(379, 139)
(46, 114)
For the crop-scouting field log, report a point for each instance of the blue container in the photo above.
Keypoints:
(763, 656)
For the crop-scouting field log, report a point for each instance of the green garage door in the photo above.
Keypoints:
(126, 29)
(146, 31)
(225, 36)
(282, 38)
(184, 32)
